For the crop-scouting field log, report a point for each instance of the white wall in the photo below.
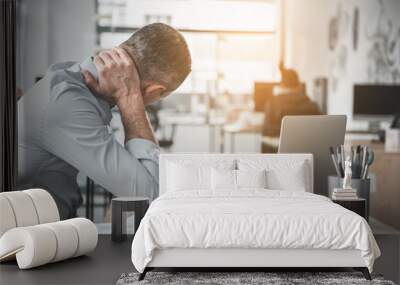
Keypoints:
(72, 35)
(307, 48)
(52, 31)
(33, 28)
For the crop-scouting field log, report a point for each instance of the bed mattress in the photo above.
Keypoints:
(250, 219)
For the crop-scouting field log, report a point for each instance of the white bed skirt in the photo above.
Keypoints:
(191, 257)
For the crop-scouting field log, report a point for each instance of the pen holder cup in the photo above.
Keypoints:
(363, 187)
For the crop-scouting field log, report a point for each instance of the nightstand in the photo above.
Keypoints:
(120, 206)
(358, 206)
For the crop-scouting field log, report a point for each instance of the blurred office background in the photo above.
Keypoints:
(254, 61)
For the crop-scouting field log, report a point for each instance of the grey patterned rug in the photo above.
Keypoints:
(243, 278)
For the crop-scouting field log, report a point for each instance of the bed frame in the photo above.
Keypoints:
(242, 259)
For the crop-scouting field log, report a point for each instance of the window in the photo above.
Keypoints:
(233, 43)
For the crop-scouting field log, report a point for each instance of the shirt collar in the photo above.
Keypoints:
(88, 65)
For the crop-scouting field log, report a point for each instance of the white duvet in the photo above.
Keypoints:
(250, 219)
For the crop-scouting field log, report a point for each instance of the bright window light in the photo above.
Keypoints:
(233, 43)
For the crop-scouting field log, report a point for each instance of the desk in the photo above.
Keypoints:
(270, 144)
(183, 121)
(385, 196)
(247, 123)
(232, 131)
(102, 266)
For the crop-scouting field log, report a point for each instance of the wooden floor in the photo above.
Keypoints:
(103, 266)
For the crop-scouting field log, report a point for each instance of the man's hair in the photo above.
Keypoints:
(161, 54)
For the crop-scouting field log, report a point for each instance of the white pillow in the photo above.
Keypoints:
(292, 179)
(281, 175)
(223, 179)
(187, 174)
(226, 179)
(251, 179)
(185, 177)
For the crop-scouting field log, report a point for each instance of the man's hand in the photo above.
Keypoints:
(118, 76)
(119, 84)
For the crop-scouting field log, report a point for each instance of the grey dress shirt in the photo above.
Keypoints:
(63, 128)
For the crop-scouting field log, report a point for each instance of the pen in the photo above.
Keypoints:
(363, 161)
(343, 155)
(357, 165)
(340, 162)
(368, 164)
(334, 161)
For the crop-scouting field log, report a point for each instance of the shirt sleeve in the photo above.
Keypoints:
(75, 131)
(147, 153)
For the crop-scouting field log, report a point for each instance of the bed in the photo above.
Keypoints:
(247, 210)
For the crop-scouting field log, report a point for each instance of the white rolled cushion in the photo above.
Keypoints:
(45, 205)
(33, 246)
(67, 240)
(23, 208)
(251, 179)
(223, 179)
(87, 235)
(7, 218)
(37, 245)
(26, 208)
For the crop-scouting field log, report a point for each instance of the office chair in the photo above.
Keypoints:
(167, 136)
(167, 131)
(280, 106)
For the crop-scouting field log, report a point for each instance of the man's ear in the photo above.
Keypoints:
(154, 89)
(152, 93)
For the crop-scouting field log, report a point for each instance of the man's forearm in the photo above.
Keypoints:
(134, 119)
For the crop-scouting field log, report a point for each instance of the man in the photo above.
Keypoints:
(290, 83)
(64, 119)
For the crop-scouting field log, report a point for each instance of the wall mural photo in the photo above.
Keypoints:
(338, 29)
(375, 38)
(384, 51)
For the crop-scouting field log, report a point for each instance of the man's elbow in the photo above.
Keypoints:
(146, 184)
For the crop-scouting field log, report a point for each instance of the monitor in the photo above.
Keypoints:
(376, 102)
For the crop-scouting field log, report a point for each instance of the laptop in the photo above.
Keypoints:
(314, 134)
